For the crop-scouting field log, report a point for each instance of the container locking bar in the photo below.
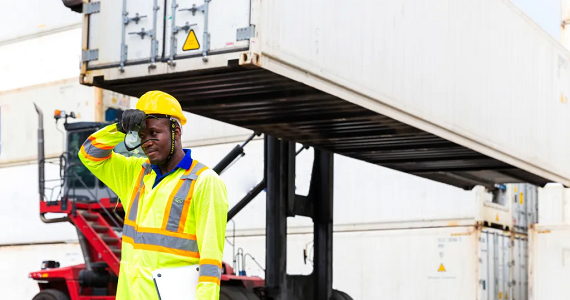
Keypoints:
(151, 33)
(154, 41)
(174, 30)
(123, 44)
(126, 21)
(205, 9)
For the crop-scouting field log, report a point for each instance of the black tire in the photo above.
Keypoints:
(236, 293)
(51, 295)
(339, 295)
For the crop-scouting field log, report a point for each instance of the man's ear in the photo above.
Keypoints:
(177, 133)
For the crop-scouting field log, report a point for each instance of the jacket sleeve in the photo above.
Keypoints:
(114, 170)
(211, 211)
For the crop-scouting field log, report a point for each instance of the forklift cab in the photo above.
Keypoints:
(80, 185)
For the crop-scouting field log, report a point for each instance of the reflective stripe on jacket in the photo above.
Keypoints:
(181, 221)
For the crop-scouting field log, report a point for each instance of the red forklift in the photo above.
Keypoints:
(97, 214)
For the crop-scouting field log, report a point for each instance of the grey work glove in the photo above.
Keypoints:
(132, 120)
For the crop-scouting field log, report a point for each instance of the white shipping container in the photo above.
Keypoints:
(395, 58)
(415, 263)
(20, 217)
(549, 262)
(19, 261)
(19, 142)
(524, 205)
(29, 19)
(366, 197)
(52, 57)
(520, 278)
(554, 205)
(441, 263)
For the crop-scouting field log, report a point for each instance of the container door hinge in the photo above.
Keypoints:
(245, 33)
(91, 8)
(89, 55)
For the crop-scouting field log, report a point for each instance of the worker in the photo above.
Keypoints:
(175, 207)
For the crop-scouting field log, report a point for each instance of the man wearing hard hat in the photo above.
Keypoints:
(175, 207)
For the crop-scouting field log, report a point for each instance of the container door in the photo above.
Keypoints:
(524, 206)
(485, 261)
(532, 204)
(496, 265)
(201, 28)
(126, 32)
(520, 276)
(507, 263)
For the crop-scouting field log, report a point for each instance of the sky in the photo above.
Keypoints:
(546, 13)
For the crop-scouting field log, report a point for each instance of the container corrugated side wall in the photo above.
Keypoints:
(421, 263)
(19, 261)
(411, 61)
(549, 270)
(554, 205)
(31, 18)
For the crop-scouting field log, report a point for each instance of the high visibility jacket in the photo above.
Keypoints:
(181, 221)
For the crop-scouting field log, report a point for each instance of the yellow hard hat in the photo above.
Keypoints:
(158, 102)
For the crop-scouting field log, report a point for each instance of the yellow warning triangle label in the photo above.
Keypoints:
(497, 218)
(191, 42)
(441, 268)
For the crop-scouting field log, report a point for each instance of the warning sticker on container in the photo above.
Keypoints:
(191, 42)
(441, 268)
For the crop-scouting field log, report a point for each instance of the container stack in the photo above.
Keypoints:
(549, 246)
(477, 254)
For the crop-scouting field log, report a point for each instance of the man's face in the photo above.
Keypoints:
(157, 151)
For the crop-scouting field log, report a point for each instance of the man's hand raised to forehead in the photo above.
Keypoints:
(132, 120)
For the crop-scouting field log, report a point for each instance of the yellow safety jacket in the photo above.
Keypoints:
(181, 221)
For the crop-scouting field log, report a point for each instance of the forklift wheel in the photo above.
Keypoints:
(236, 293)
(339, 295)
(51, 295)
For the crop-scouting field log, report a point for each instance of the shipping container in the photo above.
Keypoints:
(19, 261)
(40, 60)
(366, 197)
(33, 18)
(549, 262)
(19, 143)
(524, 205)
(521, 267)
(554, 205)
(20, 216)
(89, 104)
(464, 262)
(442, 263)
(430, 263)
(432, 95)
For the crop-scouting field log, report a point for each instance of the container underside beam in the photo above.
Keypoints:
(266, 102)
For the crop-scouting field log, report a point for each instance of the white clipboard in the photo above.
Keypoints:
(177, 283)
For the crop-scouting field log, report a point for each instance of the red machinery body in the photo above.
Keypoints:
(104, 247)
